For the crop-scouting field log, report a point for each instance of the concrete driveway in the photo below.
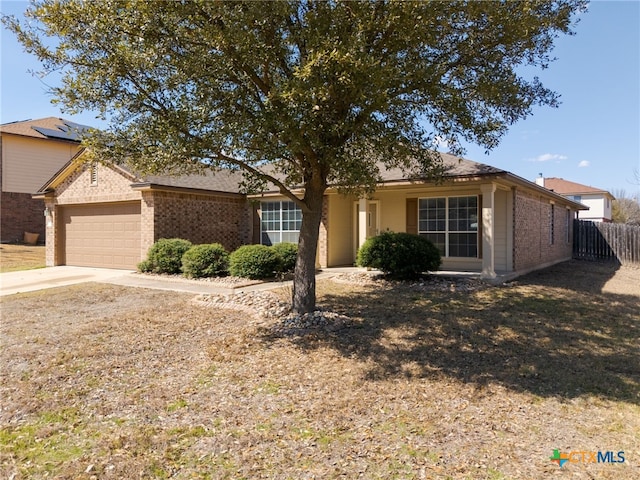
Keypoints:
(42, 278)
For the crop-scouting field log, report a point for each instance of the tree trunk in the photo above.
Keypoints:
(304, 280)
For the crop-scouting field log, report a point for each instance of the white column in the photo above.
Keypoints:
(362, 221)
(488, 231)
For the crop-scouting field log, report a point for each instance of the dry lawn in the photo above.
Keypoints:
(21, 257)
(108, 382)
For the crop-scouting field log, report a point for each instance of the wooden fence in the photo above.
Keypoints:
(606, 241)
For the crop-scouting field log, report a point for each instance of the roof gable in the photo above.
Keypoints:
(226, 181)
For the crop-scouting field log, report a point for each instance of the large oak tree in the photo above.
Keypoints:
(296, 93)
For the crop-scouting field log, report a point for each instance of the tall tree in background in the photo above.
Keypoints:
(296, 93)
(625, 208)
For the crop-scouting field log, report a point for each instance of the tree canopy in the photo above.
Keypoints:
(297, 93)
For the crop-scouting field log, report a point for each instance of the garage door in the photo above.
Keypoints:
(106, 235)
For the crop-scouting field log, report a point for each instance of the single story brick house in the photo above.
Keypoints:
(482, 218)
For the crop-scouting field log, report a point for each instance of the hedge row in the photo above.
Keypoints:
(175, 256)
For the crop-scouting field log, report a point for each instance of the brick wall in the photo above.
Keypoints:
(532, 246)
(111, 186)
(202, 218)
(20, 213)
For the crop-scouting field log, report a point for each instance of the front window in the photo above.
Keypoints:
(451, 223)
(280, 222)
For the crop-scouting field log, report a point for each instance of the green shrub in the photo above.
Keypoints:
(400, 255)
(165, 256)
(145, 266)
(287, 252)
(208, 260)
(254, 261)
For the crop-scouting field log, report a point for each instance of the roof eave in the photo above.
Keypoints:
(156, 187)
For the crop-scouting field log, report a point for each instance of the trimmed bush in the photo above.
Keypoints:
(208, 260)
(254, 261)
(165, 256)
(288, 252)
(400, 255)
(145, 266)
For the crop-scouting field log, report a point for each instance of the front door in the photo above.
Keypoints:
(365, 221)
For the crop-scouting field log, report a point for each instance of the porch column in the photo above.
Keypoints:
(362, 221)
(488, 230)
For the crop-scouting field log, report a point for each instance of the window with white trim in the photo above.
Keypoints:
(280, 222)
(451, 223)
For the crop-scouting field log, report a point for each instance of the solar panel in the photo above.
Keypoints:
(68, 131)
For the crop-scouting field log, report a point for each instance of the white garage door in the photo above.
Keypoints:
(106, 235)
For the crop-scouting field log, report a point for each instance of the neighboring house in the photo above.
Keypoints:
(30, 153)
(598, 201)
(483, 219)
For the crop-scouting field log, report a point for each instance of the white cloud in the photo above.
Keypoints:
(547, 157)
(584, 163)
(441, 143)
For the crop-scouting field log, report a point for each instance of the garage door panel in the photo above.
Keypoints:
(105, 235)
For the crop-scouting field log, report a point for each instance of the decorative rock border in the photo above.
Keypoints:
(267, 306)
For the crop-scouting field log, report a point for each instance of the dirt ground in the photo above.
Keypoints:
(102, 381)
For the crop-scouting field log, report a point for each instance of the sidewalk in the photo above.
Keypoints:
(42, 278)
(51, 277)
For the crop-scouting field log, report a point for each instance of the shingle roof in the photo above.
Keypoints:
(52, 128)
(221, 181)
(455, 167)
(565, 187)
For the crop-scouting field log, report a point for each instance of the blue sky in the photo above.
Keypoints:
(593, 138)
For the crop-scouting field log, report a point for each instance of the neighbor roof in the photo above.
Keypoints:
(565, 187)
(52, 128)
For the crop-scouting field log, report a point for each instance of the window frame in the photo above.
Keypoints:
(281, 221)
(448, 232)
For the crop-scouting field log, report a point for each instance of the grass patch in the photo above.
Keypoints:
(14, 258)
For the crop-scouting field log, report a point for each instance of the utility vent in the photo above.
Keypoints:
(94, 174)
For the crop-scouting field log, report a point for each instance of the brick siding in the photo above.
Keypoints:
(202, 218)
(532, 245)
(20, 213)
(112, 186)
